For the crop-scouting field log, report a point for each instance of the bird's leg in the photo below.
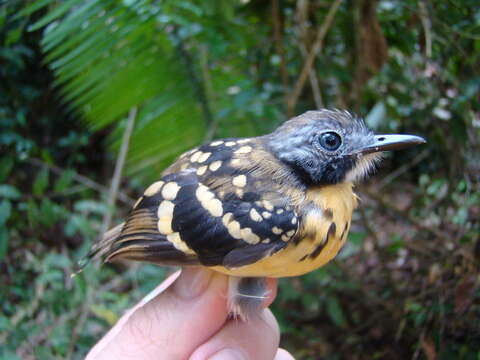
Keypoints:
(246, 296)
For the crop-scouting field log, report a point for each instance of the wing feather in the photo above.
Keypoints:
(212, 212)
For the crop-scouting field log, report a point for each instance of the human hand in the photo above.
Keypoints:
(189, 320)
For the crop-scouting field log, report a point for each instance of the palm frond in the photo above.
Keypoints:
(109, 56)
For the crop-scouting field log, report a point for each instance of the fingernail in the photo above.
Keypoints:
(228, 354)
(192, 282)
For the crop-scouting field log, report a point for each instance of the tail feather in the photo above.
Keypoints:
(101, 247)
(246, 296)
(153, 249)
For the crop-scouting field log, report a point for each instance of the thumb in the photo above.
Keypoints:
(173, 324)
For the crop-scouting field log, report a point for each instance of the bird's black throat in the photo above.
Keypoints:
(321, 172)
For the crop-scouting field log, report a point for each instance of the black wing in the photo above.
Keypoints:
(211, 213)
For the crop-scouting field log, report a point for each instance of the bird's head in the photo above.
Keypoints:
(327, 147)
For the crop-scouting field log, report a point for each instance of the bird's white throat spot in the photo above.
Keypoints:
(365, 164)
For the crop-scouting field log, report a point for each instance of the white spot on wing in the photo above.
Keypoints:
(154, 188)
(267, 205)
(235, 162)
(164, 226)
(208, 201)
(255, 216)
(244, 150)
(276, 230)
(138, 202)
(204, 157)
(179, 244)
(249, 236)
(170, 190)
(165, 215)
(214, 166)
(201, 170)
(195, 156)
(240, 180)
(165, 209)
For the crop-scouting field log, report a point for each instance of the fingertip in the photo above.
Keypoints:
(283, 354)
(271, 321)
(257, 338)
(272, 286)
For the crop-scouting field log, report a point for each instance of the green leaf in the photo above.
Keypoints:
(32, 213)
(9, 192)
(105, 313)
(50, 212)
(31, 8)
(64, 181)
(6, 165)
(5, 211)
(53, 14)
(335, 312)
(3, 242)
(41, 183)
(90, 206)
(109, 57)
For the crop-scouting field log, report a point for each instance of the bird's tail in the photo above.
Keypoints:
(101, 247)
(246, 296)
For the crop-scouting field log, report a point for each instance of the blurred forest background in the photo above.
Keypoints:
(79, 78)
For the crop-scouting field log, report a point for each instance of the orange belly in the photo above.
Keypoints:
(317, 242)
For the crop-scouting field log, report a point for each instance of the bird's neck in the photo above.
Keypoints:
(338, 196)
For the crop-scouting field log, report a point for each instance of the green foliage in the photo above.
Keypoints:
(406, 285)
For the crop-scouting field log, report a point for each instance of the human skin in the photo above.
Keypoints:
(186, 317)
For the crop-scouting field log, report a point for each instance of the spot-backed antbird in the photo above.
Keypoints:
(276, 205)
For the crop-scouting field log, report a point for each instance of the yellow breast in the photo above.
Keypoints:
(324, 226)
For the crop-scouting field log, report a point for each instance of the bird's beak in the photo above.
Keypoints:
(392, 142)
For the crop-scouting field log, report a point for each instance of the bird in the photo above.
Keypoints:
(272, 206)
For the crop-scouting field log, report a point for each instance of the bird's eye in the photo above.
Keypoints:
(330, 140)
